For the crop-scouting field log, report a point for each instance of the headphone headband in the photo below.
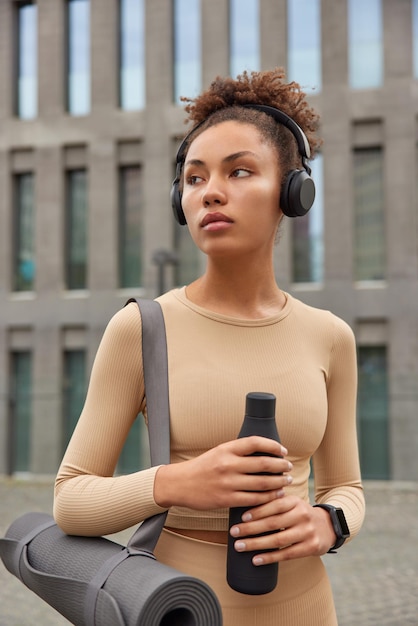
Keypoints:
(298, 191)
(282, 118)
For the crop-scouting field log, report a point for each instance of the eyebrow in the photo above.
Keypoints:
(231, 157)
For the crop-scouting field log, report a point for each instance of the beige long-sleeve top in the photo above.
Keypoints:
(305, 356)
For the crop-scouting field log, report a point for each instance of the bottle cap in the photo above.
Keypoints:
(260, 404)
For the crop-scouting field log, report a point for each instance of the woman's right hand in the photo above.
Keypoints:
(225, 476)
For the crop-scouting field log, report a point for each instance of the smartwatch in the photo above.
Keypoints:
(339, 524)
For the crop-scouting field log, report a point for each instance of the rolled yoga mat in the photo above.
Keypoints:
(138, 591)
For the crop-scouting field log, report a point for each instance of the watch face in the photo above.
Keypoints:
(344, 527)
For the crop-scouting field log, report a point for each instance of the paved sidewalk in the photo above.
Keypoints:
(375, 578)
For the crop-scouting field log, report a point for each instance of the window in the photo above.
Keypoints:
(74, 390)
(308, 234)
(244, 34)
(132, 54)
(20, 411)
(27, 60)
(78, 57)
(304, 43)
(187, 48)
(76, 230)
(373, 410)
(130, 227)
(369, 222)
(24, 218)
(415, 36)
(365, 43)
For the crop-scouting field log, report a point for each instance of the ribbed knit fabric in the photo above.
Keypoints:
(302, 597)
(305, 356)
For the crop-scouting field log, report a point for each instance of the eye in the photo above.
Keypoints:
(240, 172)
(193, 179)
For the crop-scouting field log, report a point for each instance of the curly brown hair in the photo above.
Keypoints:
(223, 101)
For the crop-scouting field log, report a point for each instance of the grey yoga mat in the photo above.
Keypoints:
(93, 581)
(139, 591)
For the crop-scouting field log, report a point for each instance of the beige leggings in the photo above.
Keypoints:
(303, 596)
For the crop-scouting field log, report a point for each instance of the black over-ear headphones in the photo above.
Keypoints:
(298, 190)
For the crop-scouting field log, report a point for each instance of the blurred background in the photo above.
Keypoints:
(90, 119)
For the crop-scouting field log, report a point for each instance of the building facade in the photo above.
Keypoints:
(90, 119)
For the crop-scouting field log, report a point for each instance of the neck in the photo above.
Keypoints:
(247, 291)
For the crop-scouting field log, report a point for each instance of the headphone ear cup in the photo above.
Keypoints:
(298, 194)
(175, 196)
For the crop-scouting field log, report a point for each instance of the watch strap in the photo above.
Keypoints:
(334, 513)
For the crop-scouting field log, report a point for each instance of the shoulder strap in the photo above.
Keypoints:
(154, 358)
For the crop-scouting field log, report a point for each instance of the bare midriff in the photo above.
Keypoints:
(212, 536)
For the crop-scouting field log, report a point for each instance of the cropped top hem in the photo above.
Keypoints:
(198, 520)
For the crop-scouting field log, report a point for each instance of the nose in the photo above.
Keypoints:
(213, 194)
(209, 201)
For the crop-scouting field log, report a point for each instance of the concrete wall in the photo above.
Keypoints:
(51, 318)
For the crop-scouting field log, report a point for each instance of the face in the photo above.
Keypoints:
(231, 190)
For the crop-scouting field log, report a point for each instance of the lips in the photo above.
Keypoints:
(210, 218)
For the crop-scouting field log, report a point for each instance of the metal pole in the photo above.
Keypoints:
(162, 258)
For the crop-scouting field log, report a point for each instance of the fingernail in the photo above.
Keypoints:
(284, 451)
(234, 531)
(290, 466)
(289, 479)
(280, 493)
(239, 546)
(258, 560)
(247, 517)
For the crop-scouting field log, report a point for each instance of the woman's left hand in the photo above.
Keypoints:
(296, 529)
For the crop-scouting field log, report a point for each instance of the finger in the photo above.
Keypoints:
(296, 550)
(270, 517)
(263, 464)
(283, 503)
(250, 499)
(274, 541)
(268, 483)
(248, 445)
(260, 528)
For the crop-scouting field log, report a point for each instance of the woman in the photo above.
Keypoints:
(230, 332)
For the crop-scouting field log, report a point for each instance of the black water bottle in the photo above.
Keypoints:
(241, 574)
